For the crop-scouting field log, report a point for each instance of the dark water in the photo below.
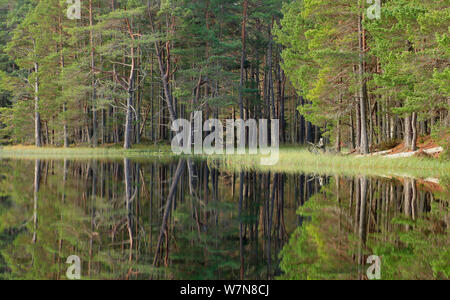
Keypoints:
(161, 219)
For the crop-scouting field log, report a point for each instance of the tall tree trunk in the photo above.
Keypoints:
(62, 62)
(302, 127)
(352, 131)
(37, 115)
(66, 128)
(408, 131)
(338, 137)
(358, 125)
(131, 91)
(164, 71)
(282, 106)
(129, 116)
(137, 129)
(309, 132)
(364, 146)
(243, 55)
(414, 132)
(94, 92)
(270, 75)
(392, 130)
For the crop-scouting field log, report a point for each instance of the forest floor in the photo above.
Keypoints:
(292, 159)
(426, 147)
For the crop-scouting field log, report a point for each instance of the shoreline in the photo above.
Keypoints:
(292, 160)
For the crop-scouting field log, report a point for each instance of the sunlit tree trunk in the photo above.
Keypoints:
(408, 129)
(129, 114)
(37, 115)
(364, 145)
(414, 132)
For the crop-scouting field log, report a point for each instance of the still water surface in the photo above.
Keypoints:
(158, 219)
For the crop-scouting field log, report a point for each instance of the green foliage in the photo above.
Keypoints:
(406, 64)
(441, 133)
(408, 41)
(320, 55)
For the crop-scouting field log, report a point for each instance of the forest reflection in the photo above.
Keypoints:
(158, 219)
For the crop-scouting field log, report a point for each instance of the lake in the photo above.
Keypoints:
(164, 218)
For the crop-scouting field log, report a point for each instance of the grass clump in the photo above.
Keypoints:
(295, 161)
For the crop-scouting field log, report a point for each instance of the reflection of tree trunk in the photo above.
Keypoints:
(128, 202)
(205, 187)
(93, 198)
(362, 220)
(338, 196)
(192, 188)
(191, 172)
(358, 205)
(391, 200)
(407, 199)
(173, 189)
(302, 197)
(63, 200)
(410, 195)
(362, 217)
(37, 180)
(413, 199)
(270, 222)
(241, 226)
(352, 195)
(137, 197)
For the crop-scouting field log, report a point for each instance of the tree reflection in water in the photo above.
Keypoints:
(163, 219)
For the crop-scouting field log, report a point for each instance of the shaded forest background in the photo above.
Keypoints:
(127, 69)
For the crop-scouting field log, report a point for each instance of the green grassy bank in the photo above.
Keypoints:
(292, 160)
(81, 153)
